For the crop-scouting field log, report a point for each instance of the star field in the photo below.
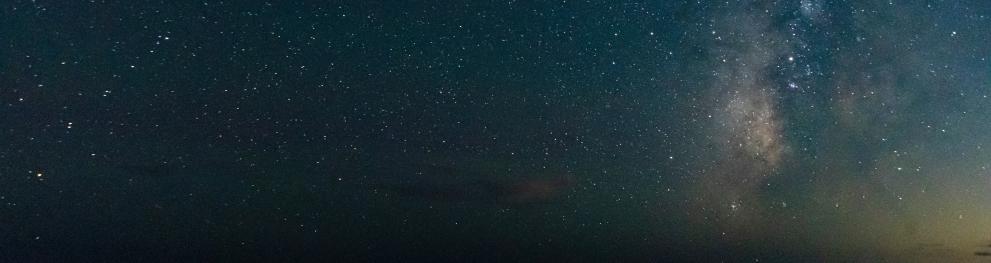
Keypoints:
(750, 130)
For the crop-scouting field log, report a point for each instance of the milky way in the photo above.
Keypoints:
(746, 127)
(767, 61)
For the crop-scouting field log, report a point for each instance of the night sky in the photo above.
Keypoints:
(666, 130)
